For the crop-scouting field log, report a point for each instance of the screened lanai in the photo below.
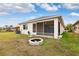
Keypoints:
(44, 28)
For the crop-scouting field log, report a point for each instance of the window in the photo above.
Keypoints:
(58, 28)
(25, 27)
(34, 27)
(75, 28)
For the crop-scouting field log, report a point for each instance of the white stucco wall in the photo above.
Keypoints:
(23, 31)
(30, 29)
(56, 28)
(61, 28)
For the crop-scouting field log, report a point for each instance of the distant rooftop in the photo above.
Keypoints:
(76, 22)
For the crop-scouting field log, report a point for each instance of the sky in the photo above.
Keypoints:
(14, 13)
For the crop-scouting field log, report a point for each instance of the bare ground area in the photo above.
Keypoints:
(22, 48)
(19, 46)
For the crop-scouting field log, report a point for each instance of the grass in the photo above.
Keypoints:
(11, 35)
(70, 41)
(67, 45)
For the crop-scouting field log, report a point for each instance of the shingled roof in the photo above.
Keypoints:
(43, 18)
(76, 23)
(39, 19)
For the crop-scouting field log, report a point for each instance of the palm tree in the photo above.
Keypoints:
(6, 26)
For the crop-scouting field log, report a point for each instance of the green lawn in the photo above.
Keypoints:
(11, 35)
(12, 44)
(70, 42)
(68, 45)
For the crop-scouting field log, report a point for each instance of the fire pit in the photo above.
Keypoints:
(36, 41)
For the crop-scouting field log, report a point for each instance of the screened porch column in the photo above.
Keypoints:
(36, 27)
(55, 28)
(43, 28)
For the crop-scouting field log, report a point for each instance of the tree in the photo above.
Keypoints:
(11, 26)
(6, 26)
(69, 27)
(0, 29)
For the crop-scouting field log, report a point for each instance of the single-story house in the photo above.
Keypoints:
(47, 26)
(76, 27)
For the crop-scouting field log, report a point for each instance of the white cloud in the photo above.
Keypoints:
(3, 13)
(59, 6)
(71, 6)
(17, 7)
(74, 14)
(48, 7)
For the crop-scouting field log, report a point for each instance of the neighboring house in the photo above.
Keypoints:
(76, 27)
(48, 26)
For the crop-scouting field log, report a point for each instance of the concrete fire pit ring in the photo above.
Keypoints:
(35, 41)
